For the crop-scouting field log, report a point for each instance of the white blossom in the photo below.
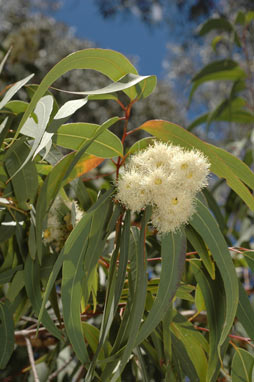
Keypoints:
(167, 177)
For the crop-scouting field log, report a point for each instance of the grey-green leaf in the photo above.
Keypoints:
(6, 334)
(207, 227)
(13, 90)
(242, 366)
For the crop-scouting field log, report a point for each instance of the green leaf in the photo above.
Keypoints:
(25, 183)
(240, 18)
(62, 172)
(199, 246)
(32, 237)
(13, 90)
(91, 334)
(215, 208)
(198, 121)
(115, 283)
(16, 285)
(215, 302)
(182, 360)
(83, 246)
(85, 163)
(73, 135)
(2, 63)
(70, 242)
(216, 40)
(223, 164)
(70, 108)
(245, 312)
(36, 129)
(140, 145)
(32, 285)
(108, 62)
(6, 334)
(221, 70)
(85, 146)
(220, 23)
(4, 129)
(173, 247)
(242, 366)
(184, 292)
(249, 257)
(199, 299)
(231, 110)
(6, 276)
(137, 304)
(48, 192)
(249, 17)
(205, 224)
(194, 342)
(17, 107)
(143, 86)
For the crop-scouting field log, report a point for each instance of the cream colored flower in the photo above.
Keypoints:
(132, 191)
(170, 213)
(191, 169)
(166, 177)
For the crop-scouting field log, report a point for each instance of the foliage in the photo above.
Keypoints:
(38, 42)
(84, 269)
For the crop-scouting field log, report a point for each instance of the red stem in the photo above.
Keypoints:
(238, 338)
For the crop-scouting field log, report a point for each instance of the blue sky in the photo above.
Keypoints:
(127, 35)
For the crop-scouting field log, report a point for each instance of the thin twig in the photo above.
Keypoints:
(31, 359)
(55, 374)
(29, 319)
(235, 337)
(79, 375)
(28, 332)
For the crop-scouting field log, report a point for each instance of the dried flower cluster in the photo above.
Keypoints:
(166, 177)
(60, 222)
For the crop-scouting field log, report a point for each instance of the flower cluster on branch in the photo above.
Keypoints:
(167, 177)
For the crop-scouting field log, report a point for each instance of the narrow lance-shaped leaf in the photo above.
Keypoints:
(207, 227)
(173, 248)
(199, 246)
(70, 107)
(37, 129)
(74, 236)
(215, 302)
(6, 275)
(6, 334)
(242, 366)
(73, 273)
(114, 288)
(219, 23)
(32, 284)
(194, 343)
(13, 90)
(217, 71)
(2, 63)
(25, 183)
(138, 306)
(245, 312)
(143, 84)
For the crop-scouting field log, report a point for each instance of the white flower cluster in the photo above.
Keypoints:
(166, 177)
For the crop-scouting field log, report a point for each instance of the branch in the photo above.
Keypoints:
(55, 374)
(31, 359)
